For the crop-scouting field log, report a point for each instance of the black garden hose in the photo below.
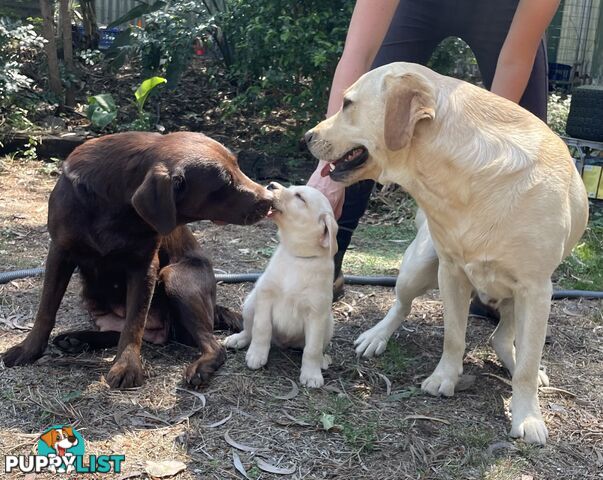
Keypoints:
(383, 281)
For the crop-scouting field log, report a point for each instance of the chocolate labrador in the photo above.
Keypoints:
(118, 213)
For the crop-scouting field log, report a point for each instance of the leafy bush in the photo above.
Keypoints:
(453, 57)
(164, 41)
(558, 110)
(18, 44)
(285, 53)
(102, 110)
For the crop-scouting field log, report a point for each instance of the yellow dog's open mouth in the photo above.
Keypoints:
(336, 169)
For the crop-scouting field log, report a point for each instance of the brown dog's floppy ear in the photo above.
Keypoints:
(328, 239)
(408, 100)
(154, 200)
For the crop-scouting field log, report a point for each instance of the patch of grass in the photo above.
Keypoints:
(583, 269)
(504, 469)
(378, 249)
(360, 434)
(395, 359)
(472, 437)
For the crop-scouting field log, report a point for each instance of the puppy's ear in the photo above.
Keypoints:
(154, 200)
(328, 238)
(408, 99)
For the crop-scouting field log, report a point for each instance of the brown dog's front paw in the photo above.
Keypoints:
(201, 370)
(22, 354)
(126, 372)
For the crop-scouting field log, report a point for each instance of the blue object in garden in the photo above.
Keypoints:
(107, 37)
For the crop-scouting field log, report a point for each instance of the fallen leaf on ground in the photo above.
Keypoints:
(219, 422)
(267, 467)
(239, 446)
(425, 417)
(238, 464)
(165, 468)
(289, 395)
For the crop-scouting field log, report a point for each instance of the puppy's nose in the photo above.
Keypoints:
(308, 136)
(273, 186)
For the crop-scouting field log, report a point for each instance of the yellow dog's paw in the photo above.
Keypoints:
(438, 384)
(531, 429)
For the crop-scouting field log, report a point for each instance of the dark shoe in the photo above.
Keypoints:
(338, 290)
(477, 309)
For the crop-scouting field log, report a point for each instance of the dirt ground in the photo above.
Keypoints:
(369, 421)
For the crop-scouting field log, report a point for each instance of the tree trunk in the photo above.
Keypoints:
(54, 77)
(65, 20)
(91, 35)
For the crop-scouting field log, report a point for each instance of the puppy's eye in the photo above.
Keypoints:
(346, 103)
(298, 195)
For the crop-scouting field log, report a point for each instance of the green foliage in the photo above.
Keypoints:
(164, 45)
(101, 110)
(454, 58)
(145, 89)
(557, 112)
(285, 53)
(583, 269)
(19, 44)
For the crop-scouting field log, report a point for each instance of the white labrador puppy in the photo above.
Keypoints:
(290, 305)
(503, 205)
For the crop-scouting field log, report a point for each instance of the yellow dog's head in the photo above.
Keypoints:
(383, 112)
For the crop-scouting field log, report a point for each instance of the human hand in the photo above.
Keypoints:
(334, 191)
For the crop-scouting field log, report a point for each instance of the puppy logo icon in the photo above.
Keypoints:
(61, 450)
(63, 442)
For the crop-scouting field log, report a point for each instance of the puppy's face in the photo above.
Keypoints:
(379, 115)
(305, 220)
(198, 179)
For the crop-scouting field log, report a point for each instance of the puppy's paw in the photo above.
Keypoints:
(126, 372)
(22, 354)
(256, 357)
(531, 429)
(237, 341)
(439, 384)
(311, 377)
(372, 342)
(326, 361)
(543, 378)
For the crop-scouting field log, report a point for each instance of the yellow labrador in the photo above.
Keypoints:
(503, 205)
(290, 305)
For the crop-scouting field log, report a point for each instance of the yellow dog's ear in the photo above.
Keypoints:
(49, 438)
(408, 99)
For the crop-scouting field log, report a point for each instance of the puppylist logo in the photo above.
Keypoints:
(61, 450)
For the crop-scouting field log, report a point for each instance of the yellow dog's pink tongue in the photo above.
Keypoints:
(325, 170)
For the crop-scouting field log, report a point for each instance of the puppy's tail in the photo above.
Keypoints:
(226, 319)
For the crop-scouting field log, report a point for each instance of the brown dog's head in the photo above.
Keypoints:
(196, 178)
(381, 114)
